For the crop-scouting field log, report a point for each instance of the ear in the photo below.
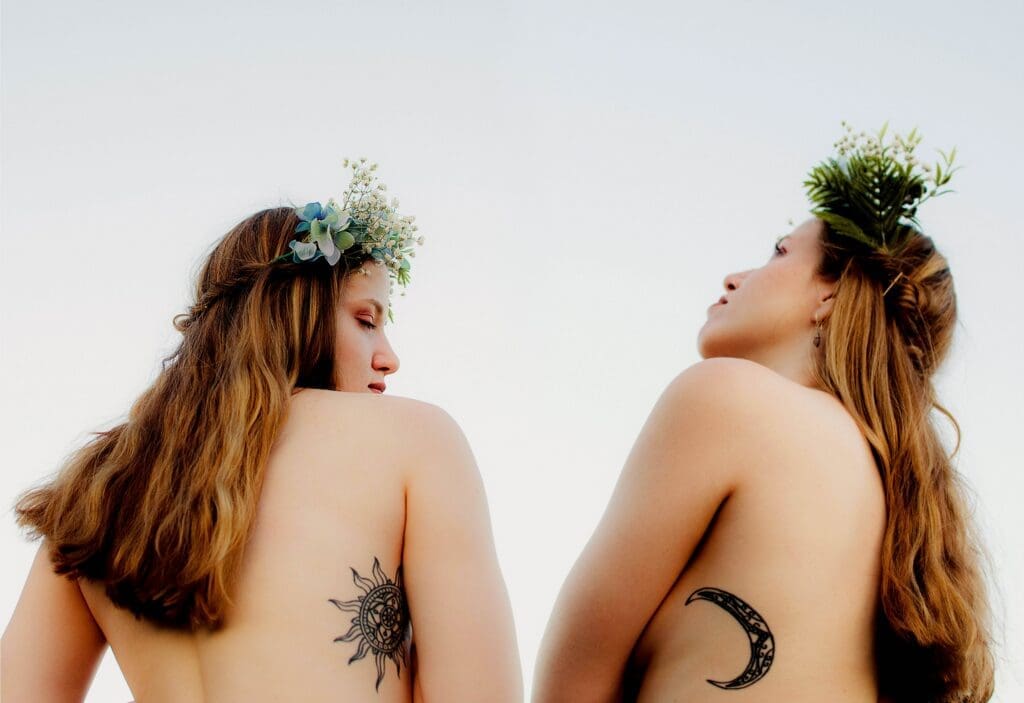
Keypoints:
(826, 298)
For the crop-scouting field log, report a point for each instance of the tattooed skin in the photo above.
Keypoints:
(762, 643)
(381, 622)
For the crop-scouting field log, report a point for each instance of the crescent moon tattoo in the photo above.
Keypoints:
(762, 643)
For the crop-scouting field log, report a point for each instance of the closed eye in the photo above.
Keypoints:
(367, 324)
(778, 249)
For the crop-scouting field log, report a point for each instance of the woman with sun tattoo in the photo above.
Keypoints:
(788, 525)
(266, 524)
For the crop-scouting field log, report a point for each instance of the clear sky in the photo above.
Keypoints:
(585, 174)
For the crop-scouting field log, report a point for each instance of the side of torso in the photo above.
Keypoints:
(782, 588)
(329, 527)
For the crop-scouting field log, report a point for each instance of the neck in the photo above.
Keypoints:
(792, 361)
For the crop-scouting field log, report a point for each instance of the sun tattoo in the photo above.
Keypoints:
(381, 623)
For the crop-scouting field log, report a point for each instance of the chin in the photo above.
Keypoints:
(706, 345)
(711, 345)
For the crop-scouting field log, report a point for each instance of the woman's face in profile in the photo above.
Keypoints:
(363, 355)
(771, 307)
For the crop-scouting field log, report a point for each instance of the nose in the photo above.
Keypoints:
(385, 360)
(733, 280)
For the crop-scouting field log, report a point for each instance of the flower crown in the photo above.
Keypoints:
(870, 195)
(365, 224)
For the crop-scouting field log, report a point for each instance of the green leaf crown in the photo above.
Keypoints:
(870, 195)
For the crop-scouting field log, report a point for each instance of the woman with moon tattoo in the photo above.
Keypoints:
(267, 525)
(788, 525)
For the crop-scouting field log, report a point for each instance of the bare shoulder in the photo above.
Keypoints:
(755, 391)
(726, 392)
(415, 432)
(725, 379)
(739, 382)
(398, 413)
(761, 413)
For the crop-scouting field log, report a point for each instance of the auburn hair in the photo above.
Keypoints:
(159, 508)
(890, 328)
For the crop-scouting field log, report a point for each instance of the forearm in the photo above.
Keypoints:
(572, 667)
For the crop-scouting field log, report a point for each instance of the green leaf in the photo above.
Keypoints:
(846, 227)
(344, 240)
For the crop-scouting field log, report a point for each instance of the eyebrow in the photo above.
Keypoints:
(376, 305)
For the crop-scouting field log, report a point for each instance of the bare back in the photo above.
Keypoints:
(738, 556)
(318, 609)
(780, 595)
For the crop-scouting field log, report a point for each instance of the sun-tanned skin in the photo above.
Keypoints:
(358, 485)
(738, 558)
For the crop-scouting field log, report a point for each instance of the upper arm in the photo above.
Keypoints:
(684, 464)
(459, 606)
(52, 645)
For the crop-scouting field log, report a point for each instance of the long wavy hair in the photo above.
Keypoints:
(881, 347)
(159, 508)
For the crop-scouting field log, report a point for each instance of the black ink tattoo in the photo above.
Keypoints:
(381, 623)
(762, 643)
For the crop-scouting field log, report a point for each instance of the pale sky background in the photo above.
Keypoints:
(585, 174)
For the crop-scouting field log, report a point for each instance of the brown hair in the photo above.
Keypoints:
(879, 355)
(159, 508)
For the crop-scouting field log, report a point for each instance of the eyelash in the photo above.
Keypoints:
(778, 250)
(367, 324)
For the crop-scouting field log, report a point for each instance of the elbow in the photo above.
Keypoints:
(564, 678)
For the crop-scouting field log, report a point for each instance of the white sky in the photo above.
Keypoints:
(585, 174)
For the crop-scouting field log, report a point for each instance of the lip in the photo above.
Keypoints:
(377, 387)
(720, 301)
